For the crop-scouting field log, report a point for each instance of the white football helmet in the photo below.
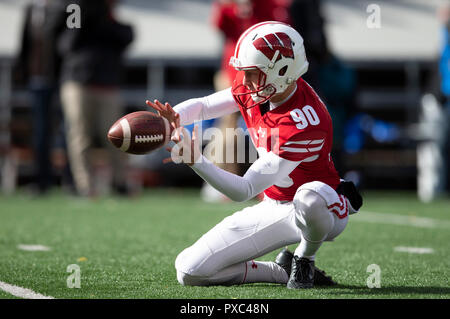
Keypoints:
(277, 50)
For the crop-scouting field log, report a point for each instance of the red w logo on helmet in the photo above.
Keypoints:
(270, 43)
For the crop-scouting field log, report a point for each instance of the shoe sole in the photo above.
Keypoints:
(300, 286)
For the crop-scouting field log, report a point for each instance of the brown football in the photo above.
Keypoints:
(140, 132)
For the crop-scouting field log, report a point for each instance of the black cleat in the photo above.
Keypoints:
(302, 273)
(284, 260)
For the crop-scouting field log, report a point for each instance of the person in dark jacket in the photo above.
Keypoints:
(91, 76)
(334, 80)
(308, 20)
(37, 66)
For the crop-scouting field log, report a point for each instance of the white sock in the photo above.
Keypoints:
(247, 272)
(264, 271)
(241, 273)
(307, 249)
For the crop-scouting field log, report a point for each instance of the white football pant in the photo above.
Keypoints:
(224, 255)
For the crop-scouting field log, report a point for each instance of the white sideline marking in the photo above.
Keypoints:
(414, 250)
(393, 219)
(33, 247)
(21, 292)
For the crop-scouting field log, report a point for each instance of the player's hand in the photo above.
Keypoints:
(166, 111)
(186, 149)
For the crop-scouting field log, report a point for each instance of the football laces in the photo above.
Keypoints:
(148, 138)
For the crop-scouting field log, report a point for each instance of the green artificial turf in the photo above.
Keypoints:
(126, 248)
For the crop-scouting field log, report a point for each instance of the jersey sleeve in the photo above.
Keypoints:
(300, 145)
(212, 106)
(266, 171)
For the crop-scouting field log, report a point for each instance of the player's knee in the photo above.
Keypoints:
(308, 204)
(187, 264)
(192, 280)
(182, 278)
(189, 280)
(312, 214)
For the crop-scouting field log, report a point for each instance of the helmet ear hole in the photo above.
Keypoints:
(283, 70)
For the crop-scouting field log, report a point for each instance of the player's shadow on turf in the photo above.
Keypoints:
(364, 290)
(357, 290)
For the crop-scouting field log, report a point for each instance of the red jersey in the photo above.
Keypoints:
(300, 129)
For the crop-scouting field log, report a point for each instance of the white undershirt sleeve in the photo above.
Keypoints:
(198, 109)
(266, 171)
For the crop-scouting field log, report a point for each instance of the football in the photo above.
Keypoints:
(140, 132)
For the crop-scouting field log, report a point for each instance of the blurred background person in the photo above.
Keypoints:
(37, 66)
(444, 68)
(91, 77)
(434, 130)
(308, 21)
(332, 79)
(232, 18)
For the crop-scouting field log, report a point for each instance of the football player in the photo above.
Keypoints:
(305, 200)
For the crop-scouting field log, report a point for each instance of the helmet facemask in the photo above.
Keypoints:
(261, 94)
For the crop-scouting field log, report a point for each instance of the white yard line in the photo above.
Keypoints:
(393, 219)
(21, 292)
(33, 247)
(414, 250)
